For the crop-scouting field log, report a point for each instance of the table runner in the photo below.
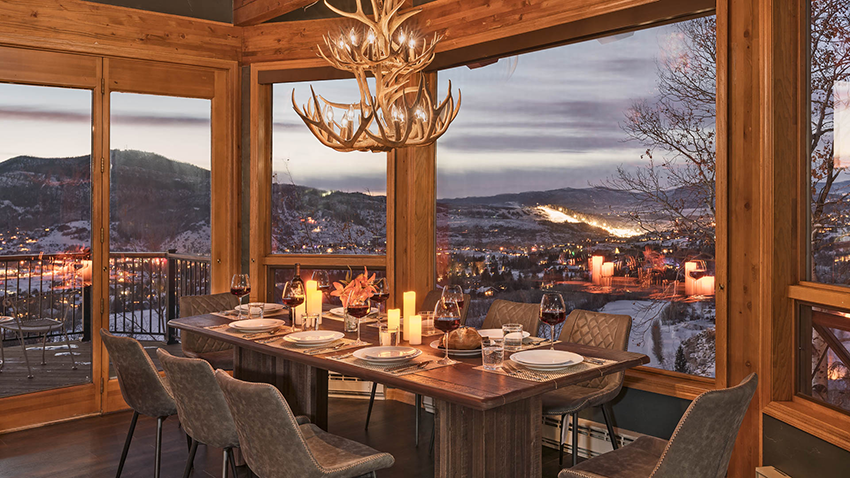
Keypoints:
(540, 376)
(348, 358)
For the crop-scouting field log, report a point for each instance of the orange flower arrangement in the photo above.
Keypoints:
(361, 287)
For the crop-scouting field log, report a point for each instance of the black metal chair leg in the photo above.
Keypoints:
(232, 458)
(574, 447)
(562, 440)
(127, 443)
(418, 409)
(158, 451)
(43, 348)
(608, 416)
(193, 447)
(433, 436)
(371, 402)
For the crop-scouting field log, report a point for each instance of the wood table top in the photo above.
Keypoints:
(458, 383)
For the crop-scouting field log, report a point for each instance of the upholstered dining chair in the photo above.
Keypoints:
(599, 330)
(700, 446)
(201, 408)
(430, 303)
(276, 445)
(507, 312)
(142, 388)
(219, 354)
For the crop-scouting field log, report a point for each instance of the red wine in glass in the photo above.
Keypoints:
(358, 311)
(380, 297)
(240, 291)
(293, 301)
(458, 303)
(446, 324)
(553, 317)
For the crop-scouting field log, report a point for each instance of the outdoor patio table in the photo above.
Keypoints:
(488, 424)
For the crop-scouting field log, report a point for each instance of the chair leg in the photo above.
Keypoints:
(191, 460)
(608, 416)
(2, 353)
(433, 436)
(561, 443)
(158, 451)
(233, 470)
(574, 447)
(43, 346)
(26, 357)
(127, 443)
(371, 402)
(418, 412)
(70, 352)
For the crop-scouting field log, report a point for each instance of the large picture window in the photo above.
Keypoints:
(323, 201)
(589, 169)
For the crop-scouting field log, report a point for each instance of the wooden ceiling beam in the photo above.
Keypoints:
(253, 12)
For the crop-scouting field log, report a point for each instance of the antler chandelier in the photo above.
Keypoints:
(401, 112)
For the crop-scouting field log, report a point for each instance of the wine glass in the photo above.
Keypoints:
(552, 312)
(382, 294)
(323, 280)
(454, 294)
(357, 307)
(240, 286)
(446, 318)
(293, 296)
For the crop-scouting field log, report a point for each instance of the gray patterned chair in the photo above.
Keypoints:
(599, 330)
(277, 445)
(201, 408)
(700, 446)
(507, 312)
(142, 388)
(219, 354)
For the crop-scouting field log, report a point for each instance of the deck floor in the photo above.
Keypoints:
(91, 447)
(57, 373)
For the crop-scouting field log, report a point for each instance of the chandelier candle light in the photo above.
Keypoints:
(401, 112)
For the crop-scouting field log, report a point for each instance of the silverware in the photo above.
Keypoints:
(260, 334)
(343, 356)
(406, 368)
(594, 361)
(268, 341)
(327, 349)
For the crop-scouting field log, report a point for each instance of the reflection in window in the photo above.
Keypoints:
(825, 334)
(323, 201)
(283, 275)
(589, 169)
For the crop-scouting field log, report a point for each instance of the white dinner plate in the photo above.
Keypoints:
(340, 312)
(456, 352)
(496, 334)
(546, 359)
(256, 325)
(313, 338)
(268, 308)
(374, 355)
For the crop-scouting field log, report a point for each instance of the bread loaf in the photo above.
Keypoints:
(464, 338)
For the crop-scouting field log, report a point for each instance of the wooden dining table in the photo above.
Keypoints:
(487, 424)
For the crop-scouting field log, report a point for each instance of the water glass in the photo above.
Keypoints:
(255, 310)
(310, 322)
(428, 323)
(512, 336)
(388, 337)
(492, 355)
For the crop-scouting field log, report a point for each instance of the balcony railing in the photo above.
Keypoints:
(144, 289)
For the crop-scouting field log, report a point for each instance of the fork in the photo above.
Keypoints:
(325, 350)
(405, 368)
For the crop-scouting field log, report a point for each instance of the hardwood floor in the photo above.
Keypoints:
(91, 447)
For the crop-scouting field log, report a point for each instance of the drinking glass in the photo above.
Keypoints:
(255, 310)
(446, 318)
(388, 336)
(358, 308)
(512, 336)
(382, 294)
(427, 322)
(310, 322)
(322, 280)
(453, 294)
(492, 355)
(240, 286)
(552, 312)
(293, 296)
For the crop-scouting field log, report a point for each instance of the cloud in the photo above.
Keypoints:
(534, 143)
(28, 114)
(34, 114)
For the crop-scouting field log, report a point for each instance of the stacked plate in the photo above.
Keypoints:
(387, 355)
(253, 326)
(268, 308)
(546, 360)
(457, 352)
(496, 334)
(313, 338)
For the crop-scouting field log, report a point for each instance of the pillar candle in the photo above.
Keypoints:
(409, 311)
(300, 311)
(393, 316)
(311, 292)
(415, 330)
(690, 266)
(608, 269)
(596, 269)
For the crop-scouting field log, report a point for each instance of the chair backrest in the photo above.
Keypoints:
(269, 435)
(192, 305)
(200, 402)
(431, 298)
(610, 331)
(507, 312)
(142, 387)
(702, 442)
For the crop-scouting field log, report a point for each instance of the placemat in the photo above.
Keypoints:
(344, 344)
(431, 359)
(538, 376)
(225, 329)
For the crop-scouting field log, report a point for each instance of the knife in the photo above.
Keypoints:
(409, 367)
(326, 349)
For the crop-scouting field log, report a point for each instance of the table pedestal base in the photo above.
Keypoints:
(501, 442)
(305, 388)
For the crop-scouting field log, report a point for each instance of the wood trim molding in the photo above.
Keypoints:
(260, 107)
(829, 425)
(35, 409)
(663, 382)
(252, 12)
(326, 261)
(821, 294)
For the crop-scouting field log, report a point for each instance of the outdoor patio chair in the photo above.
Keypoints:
(22, 323)
(700, 446)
